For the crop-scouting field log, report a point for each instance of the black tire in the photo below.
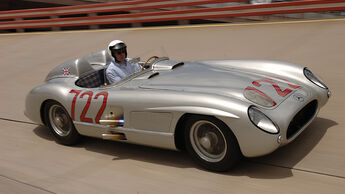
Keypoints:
(60, 124)
(211, 143)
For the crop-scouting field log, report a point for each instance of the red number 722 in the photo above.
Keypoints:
(87, 105)
(275, 86)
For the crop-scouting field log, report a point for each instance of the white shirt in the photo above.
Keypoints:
(115, 72)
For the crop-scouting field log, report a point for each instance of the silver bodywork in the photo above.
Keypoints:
(150, 104)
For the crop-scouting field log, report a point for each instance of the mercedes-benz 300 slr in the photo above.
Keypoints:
(217, 110)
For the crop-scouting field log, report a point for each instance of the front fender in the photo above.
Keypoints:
(37, 96)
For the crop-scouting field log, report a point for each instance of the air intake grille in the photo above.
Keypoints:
(301, 118)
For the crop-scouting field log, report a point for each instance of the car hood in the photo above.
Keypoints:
(224, 81)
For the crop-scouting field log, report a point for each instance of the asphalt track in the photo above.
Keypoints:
(31, 162)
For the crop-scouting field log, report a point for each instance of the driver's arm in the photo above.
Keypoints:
(113, 78)
(112, 75)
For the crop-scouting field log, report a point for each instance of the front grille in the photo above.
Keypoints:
(301, 118)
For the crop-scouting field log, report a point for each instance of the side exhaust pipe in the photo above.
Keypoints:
(115, 136)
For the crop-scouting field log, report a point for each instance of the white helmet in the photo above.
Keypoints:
(116, 45)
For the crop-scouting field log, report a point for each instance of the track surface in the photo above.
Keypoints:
(31, 162)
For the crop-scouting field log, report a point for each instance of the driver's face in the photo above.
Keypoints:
(120, 55)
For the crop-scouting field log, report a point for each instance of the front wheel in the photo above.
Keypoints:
(211, 143)
(60, 124)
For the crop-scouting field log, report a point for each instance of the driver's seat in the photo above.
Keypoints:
(92, 80)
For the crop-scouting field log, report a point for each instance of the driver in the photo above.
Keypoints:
(120, 67)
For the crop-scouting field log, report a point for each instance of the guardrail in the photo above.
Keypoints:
(136, 12)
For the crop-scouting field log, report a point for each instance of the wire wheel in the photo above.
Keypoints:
(211, 143)
(60, 121)
(208, 141)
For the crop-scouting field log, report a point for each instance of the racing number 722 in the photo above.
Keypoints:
(87, 105)
(275, 86)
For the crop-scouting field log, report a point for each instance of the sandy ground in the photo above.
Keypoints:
(31, 162)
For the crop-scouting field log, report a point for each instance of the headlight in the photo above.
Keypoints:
(261, 121)
(308, 74)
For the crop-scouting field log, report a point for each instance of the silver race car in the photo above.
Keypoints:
(218, 110)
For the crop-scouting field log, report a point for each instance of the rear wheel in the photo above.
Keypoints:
(211, 143)
(61, 124)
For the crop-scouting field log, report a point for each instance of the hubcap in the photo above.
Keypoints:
(208, 141)
(59, 120)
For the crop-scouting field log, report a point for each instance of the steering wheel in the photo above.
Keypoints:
(153, 57)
